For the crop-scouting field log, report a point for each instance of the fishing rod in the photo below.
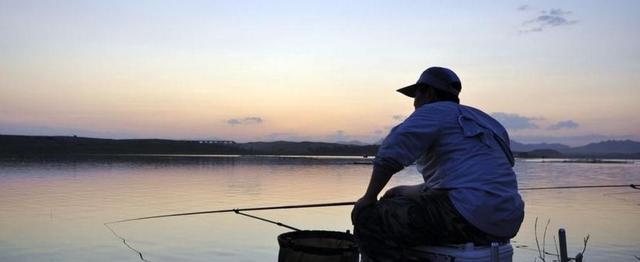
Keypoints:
(237, 210)
(634, 186)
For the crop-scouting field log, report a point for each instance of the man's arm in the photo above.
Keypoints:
(380, 176)
(404, 144)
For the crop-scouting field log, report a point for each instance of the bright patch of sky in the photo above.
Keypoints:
(301, 70)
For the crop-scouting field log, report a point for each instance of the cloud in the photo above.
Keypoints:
(398, 117)
(568, 124)
(338, 135)
(234, 122)
(253, 119)
(515, 121)
(245, 121)
(553, 17)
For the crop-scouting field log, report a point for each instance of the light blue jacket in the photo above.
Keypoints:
(465, 151)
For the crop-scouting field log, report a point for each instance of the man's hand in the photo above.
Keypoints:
(360, 205)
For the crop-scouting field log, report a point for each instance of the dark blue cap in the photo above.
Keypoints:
(437, 77)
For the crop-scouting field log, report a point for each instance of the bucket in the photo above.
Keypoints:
(317, 246)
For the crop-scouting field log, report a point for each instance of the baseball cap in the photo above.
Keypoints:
(437, 77)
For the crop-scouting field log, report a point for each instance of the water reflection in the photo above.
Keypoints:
(53, 209)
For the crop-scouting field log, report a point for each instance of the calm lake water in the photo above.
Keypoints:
(54, 210)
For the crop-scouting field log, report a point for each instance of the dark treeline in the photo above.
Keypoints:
(15, 145)
(68, 145)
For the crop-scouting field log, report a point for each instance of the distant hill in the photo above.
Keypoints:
(307, 148)
(352, 142)
(520, 147)
(604, 149)
(540, 153)
(608, 147)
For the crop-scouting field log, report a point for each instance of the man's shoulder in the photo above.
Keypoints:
(475, 112)
(481, 117)
(473, 109)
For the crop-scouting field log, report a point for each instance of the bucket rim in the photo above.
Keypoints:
(286, 240)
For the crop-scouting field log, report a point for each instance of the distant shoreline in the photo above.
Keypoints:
(71, 145)
(256, 159)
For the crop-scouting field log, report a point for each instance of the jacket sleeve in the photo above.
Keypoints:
(409, 140)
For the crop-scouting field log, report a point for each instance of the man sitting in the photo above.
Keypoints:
(470, 193)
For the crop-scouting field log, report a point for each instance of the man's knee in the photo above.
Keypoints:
(367, 222)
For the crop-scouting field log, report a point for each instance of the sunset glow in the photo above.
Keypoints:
(323, 71)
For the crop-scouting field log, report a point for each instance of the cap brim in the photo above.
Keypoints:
(409, 91)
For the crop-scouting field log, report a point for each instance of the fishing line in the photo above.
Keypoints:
(525, 247)
(125, 242)
(236, 210)
(633, 186)
(615, 195)
(268, 221)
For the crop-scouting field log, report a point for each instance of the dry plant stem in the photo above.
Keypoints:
(555, 244)
(535, 232)
(542, 252)
(584, 248)
(544, 238)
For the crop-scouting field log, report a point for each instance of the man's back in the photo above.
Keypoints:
(465, 151)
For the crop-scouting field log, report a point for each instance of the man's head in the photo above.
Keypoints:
(435, 84)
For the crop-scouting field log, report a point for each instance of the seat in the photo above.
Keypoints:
(497, 252)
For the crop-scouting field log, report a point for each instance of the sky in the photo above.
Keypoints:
(549, 71)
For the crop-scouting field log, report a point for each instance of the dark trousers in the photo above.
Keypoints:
(385, 230)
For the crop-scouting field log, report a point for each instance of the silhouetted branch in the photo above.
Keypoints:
(584, 248)
(555, 244)
(544, 237)
(542, 253)
(535, 233)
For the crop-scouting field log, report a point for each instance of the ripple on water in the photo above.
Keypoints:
(55, 210)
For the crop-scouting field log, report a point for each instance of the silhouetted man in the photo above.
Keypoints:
(470, 193)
